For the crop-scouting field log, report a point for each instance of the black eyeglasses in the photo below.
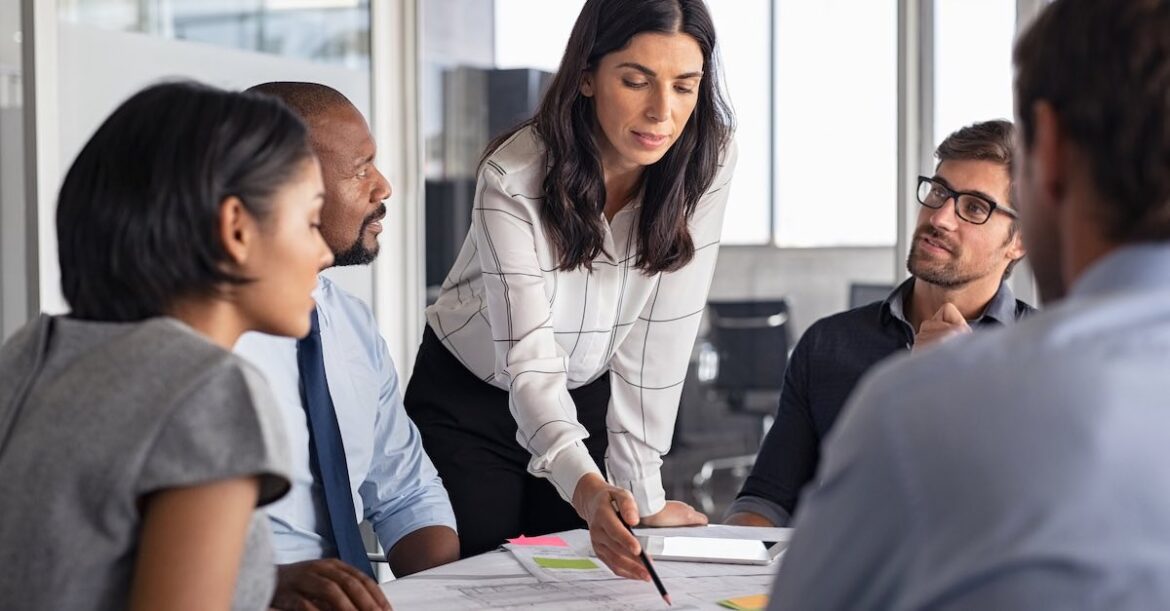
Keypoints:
(971, 207)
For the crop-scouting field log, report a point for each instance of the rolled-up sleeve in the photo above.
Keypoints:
(402, 491)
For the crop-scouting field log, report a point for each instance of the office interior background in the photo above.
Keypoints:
(839, 105)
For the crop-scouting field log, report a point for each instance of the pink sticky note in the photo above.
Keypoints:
(545, 541)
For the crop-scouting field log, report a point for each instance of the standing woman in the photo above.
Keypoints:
(556, 352)
(135, 448)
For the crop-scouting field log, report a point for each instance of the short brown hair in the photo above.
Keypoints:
(986, 141)
(1104, 67)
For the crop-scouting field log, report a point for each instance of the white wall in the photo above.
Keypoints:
(814, 280)
(97, 69)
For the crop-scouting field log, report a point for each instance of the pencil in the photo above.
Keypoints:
(649, 565)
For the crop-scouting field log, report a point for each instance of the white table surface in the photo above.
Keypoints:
(495, 580)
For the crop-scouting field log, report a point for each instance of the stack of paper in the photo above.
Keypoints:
(551, 559)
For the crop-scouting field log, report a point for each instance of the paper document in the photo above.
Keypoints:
(617, 595)
(499, 580)
(611, 595)
(550, 564)
(497, 564)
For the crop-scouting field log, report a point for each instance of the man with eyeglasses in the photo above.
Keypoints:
(1029, 468)
(965, 246)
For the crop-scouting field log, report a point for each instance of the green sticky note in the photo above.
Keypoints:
(564, 563)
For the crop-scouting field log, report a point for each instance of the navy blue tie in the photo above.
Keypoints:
(327, 451)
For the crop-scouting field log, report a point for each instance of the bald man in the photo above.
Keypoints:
(356, 454)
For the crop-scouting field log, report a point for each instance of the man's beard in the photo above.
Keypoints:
(358, 254)
(947, 274)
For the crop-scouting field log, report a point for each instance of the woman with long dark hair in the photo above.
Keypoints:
(555, 355)
(135, 448)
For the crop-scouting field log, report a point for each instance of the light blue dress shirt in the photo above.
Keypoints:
(394, 483)
(1022, 468)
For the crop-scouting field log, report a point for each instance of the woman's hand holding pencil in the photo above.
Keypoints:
(596, 501)
(610, 511)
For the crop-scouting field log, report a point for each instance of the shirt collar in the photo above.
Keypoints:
(1001, 308)
(1137, 266)
(322, 294)
(636, 202)
(894, 305)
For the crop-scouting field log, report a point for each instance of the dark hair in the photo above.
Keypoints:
(139, 211)
(992, 141)
(1104, 67)
(574, 186)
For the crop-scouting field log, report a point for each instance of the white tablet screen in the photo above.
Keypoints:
(712, 550)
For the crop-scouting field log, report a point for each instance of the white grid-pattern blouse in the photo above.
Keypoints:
(518, 323)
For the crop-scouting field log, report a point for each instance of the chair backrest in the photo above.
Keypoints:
(864, 293)
(751, 339)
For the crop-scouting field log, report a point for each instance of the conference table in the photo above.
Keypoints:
(498, 580)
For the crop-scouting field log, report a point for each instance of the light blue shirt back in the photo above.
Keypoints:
(394, 483)
(1023, 468)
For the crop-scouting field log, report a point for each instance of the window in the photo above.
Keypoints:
(806, 101)
(226, 43)
(972, 62)
(744, 38)
(520, 45)
(329, 31)
(14, 283)
(836, 120)
(455, 134)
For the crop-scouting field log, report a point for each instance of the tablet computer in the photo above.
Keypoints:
(701, 549)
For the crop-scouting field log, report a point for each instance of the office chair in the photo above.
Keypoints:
(750, 342)
(865, 293)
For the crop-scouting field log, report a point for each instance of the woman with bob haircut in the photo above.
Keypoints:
(554, 356)
(135, 448)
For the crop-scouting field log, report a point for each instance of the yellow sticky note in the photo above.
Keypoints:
(755, 602)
